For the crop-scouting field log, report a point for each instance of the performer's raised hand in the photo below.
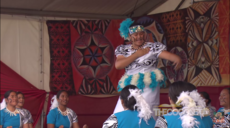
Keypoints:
(142, 51)
(177, 63)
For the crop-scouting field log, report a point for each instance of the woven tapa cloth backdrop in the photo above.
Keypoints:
(82, 51)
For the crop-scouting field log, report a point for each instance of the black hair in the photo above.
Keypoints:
(59, 93)
(176, 88)
(124, 96)
(7, 94)
(134, 24)
(148, 21)
(206, 96)
(228, 90)
(126, 41)
(17, 93)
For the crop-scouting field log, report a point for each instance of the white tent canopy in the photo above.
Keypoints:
(110, 9)
(92, 9)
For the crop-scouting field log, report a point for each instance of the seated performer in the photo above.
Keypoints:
(20, 104)
(222, 117)
(139, 60)
(137, 113)
(59, 115)
(11, 117)
(211, 108)
(194, 113)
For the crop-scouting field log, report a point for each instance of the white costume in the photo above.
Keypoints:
(143, 73)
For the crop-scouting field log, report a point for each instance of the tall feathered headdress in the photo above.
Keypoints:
(124, 28)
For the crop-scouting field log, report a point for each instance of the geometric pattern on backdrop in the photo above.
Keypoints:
(93, 56)
(61, 77)
(203, 46)
(202, 7)
(173, 24)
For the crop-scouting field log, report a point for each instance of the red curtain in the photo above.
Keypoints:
(34, 98)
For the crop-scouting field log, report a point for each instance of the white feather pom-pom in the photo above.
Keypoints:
(159, 75)
(147, 79)
(135, 79)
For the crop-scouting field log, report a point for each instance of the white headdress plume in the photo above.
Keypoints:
(193, 104)
(54, 102)
(3, 104)
(142, 106)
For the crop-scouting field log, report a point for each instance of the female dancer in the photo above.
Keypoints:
(60, 116)
(224, 111)
(21, 100)
(211, 108)
(10, 115)
(139, 60)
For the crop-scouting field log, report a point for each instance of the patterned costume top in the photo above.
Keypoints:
(143, 71)
(15, 120)
(144, 63)
(127, 119)
(55, 117)
(27, 115)
(222, 118)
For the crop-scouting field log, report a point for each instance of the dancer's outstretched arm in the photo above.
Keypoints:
(177, 62)
(122, 62)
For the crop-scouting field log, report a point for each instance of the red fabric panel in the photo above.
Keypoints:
(34, 98)
(61, 77)
(10, 78)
